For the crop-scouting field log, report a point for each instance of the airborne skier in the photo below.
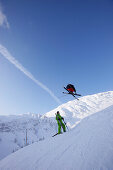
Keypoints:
(71, 90)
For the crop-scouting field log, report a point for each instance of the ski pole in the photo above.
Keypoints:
(66, 125)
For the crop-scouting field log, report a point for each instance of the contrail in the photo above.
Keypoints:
(12, 60)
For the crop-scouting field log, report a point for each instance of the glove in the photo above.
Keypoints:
(62, 118)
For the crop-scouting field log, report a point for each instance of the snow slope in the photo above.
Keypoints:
(13, 131)
(74, 111)
(88, 146)
(13, 128)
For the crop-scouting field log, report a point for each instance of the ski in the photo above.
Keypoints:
(77, 94)
(75, 97)
(56, 134)
(72, 93)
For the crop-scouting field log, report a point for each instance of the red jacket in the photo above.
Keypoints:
(70, 89)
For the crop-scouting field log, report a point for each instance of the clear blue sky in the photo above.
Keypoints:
(59, 42)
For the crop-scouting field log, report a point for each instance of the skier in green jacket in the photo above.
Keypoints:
(59, 119)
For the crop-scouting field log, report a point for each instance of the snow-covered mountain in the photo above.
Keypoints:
(13, 128)
(19, 131)
(88, 146)
(74, 111)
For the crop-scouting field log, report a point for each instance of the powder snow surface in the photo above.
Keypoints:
(74, 111)
(88, 145)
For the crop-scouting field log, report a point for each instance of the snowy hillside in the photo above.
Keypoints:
(13, 128)
(88, 146)
(74, 111)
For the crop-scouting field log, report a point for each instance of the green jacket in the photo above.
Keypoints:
(59, 118)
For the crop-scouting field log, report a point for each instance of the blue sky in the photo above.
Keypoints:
(58, 42)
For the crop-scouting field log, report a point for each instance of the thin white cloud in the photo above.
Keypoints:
(3, 19)
(12, 60)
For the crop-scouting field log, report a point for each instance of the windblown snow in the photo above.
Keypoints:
(87, 145)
